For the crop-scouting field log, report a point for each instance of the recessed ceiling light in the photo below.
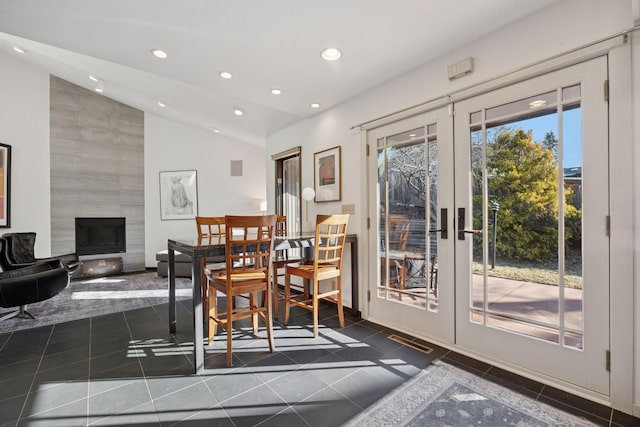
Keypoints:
(18, 49)
(216, 130)
(225, 74)
(315, 105)
(159, 53)
(162, 104)
(99, 90)
(95, 79)
(412, 135)
(276, 91)
(330, 54)
(238, 112)
(537, 103)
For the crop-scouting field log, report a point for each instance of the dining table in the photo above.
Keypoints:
(199, 248)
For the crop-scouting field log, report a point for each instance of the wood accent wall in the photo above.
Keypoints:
(97, 167)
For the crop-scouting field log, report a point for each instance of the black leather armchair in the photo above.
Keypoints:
(31, 284)
(18, 251)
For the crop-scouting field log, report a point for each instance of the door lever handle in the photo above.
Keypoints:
(472, 231)
(461, 223)
(443, 225)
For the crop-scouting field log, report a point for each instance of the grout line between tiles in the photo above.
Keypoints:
(540, 392)
(6, 341)
(35, 375)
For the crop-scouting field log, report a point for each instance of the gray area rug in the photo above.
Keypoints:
(443, 395)
(94, 297)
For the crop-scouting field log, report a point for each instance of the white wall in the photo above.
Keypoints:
(557, 29)
(24, 124)
(171, 146)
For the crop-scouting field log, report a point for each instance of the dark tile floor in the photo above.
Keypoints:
(125, 369)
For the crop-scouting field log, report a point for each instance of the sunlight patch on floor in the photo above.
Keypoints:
(152, 293)
(104, 280)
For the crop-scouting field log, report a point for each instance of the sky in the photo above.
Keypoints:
(572, 137)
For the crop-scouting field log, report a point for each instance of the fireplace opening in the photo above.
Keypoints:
(100, 236)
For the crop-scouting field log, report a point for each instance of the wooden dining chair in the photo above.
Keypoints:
(210, 228)
(280, 259)
(330, 235)
(248, 251)
(398, 233)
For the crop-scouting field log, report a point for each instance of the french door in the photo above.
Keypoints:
(518, 178)
(412, 222)
(532, 251)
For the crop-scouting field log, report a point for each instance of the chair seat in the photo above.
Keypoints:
(240, 277)
(307, 271)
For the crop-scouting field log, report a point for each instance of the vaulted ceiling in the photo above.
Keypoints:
(265, 45)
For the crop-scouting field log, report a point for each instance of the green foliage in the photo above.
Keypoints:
(572, 229)
(523, 180)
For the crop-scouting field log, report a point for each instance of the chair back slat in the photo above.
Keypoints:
(249, 244)
(281, 231)
(281, 226)
(331, 232)
(210, 226)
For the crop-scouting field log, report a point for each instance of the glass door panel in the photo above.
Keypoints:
(407, 176)
(524, 280)
(529, 261)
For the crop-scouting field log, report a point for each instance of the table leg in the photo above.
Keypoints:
(172, 291)
(198, 344)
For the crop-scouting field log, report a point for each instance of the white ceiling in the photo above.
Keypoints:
(265, 44)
